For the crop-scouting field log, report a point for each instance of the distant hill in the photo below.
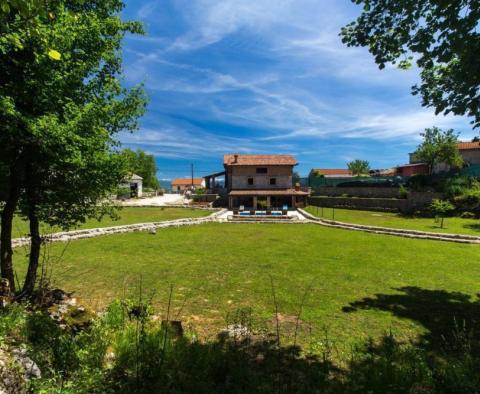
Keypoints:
(166, 185)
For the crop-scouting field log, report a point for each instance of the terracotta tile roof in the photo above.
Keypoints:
(332, 171)
(468, 145)
(413, 165)
(187, 182)
(268, 192)
(259, 160)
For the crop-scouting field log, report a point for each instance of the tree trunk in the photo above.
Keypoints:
(6, 251)
(31, 192)
(12, 197)
(35, 247)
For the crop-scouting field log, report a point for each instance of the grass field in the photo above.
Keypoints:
(127, 215)
(454, 225)
(361, 284)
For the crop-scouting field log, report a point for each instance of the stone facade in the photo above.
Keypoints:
(262, 181)
(471, 156)
(281, 176)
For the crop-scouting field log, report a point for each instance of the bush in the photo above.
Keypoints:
(126, 350)
(419, 182)
(469, 199)
(441, 208)
(123, 191)
(457, 185)
(402, 192)
(200, 191)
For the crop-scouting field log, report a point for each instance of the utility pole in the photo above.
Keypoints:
(191, 166)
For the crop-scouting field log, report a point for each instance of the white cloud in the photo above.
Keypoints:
(290, 77)
(212, 20)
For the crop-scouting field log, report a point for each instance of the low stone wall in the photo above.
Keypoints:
(369, 192)
(200, 207)
(95, 232)
(421, 200)
(458, 238)
(415, 201)
(204, 197)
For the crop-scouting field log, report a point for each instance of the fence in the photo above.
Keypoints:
(415, 201)
(369, 192)
(473, 170)
(377, 181)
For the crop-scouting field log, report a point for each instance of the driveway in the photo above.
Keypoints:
(165, 200)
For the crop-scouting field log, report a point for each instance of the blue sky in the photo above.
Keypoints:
(267, 76)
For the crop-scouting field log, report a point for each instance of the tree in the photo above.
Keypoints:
(62, 110)
(439, 146)
(296, 178)
(441, 208)
(359, 167)
(140, 163)
(443, 38)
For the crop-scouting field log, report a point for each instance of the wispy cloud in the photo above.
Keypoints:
(268, 76)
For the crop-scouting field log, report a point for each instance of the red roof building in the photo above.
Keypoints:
(332, 172)
(180, 185)
(412, 169)
(265, 181)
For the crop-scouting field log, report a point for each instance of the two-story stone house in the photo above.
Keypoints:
(261, 181)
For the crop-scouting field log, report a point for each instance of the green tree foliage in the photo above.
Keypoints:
(295, 178)
(140, 163)
(359, 167)
(441, 208)
(439, 146)
(62, 108)
(442, 37)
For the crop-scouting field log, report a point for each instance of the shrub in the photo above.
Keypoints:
(441, 208)
(402, 191)
(419, 182)
(123, 191)
(125, 351)
(469, 199)
(457, 185)
(262, 204)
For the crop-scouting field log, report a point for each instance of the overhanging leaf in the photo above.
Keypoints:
(54, 55)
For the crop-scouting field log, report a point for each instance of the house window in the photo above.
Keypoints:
(250, 181)
(261, 170)
(273, 181)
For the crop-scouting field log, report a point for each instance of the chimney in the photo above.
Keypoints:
(235, 158)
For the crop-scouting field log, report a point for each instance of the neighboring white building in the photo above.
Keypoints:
(135, 183)
(182, 185)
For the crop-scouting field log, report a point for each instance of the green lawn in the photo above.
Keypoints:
(454, 225)
(217, 268)
(127, 215)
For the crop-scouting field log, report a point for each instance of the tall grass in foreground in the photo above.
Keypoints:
(128, 350)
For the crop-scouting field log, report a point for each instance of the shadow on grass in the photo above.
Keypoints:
(473, 226)
(440, 312)
(123, 353)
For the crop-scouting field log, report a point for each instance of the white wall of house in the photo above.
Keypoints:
(178, 188)
(139, 184)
